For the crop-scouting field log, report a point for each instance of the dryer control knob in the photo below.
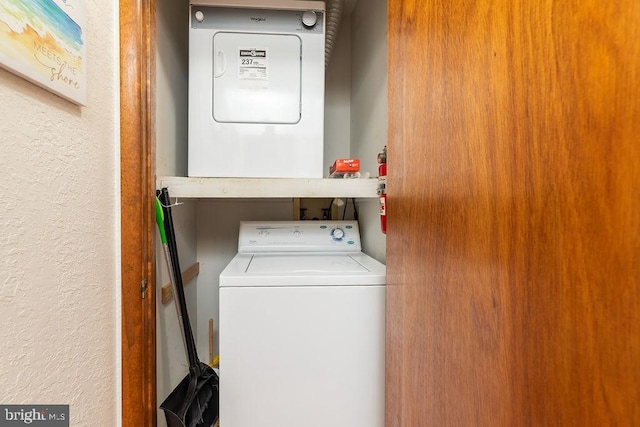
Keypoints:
(199, 16)
(309, 19)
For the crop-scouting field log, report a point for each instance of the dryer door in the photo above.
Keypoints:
(256, 78)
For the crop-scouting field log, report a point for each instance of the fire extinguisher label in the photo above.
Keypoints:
(383, 206)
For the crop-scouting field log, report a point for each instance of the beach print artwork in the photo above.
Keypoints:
(42, 41)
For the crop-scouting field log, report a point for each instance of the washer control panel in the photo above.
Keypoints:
(299, 236)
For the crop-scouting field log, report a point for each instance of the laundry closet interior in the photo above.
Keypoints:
(207, 211)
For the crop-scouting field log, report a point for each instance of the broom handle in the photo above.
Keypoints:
(192, 355)
(210, 341)
(167, 258)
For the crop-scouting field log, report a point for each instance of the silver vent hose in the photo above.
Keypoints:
(334, 15)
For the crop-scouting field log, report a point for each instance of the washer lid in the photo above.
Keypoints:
(319, 269)
(304, 263)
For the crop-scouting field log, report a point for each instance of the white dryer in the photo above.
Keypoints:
(256, 88)
(302, 328)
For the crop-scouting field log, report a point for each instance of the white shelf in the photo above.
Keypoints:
(267, 187)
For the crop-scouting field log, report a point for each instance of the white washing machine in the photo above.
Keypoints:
(302, 328)
(256, 88)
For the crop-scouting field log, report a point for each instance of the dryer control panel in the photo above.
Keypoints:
(299, 236)
(222, 18)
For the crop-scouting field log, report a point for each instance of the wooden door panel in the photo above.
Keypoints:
(137, 179)
(514, 225)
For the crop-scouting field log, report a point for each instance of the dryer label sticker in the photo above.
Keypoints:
(253, 68)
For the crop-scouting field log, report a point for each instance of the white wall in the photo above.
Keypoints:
(337, 111)
(172, 78)
(369, 108)
(369, 81)
(59, 246)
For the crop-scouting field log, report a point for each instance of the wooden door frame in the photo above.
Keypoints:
(137, 175)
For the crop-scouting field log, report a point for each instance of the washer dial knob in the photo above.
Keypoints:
(337, 234)
(199, 16)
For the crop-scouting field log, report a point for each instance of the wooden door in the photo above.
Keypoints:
(513, 213)
(137, 176)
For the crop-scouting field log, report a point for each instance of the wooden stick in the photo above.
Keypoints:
(187, 276)
(210, 341)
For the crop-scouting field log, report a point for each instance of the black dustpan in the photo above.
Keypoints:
(194, 402)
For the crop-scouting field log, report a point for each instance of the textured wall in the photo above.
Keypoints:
(59, 298)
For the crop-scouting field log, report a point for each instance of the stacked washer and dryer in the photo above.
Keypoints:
(302, 308)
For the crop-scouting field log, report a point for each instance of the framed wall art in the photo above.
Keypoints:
(43, 42)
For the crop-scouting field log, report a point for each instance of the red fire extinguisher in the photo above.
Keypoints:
(382, 188)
